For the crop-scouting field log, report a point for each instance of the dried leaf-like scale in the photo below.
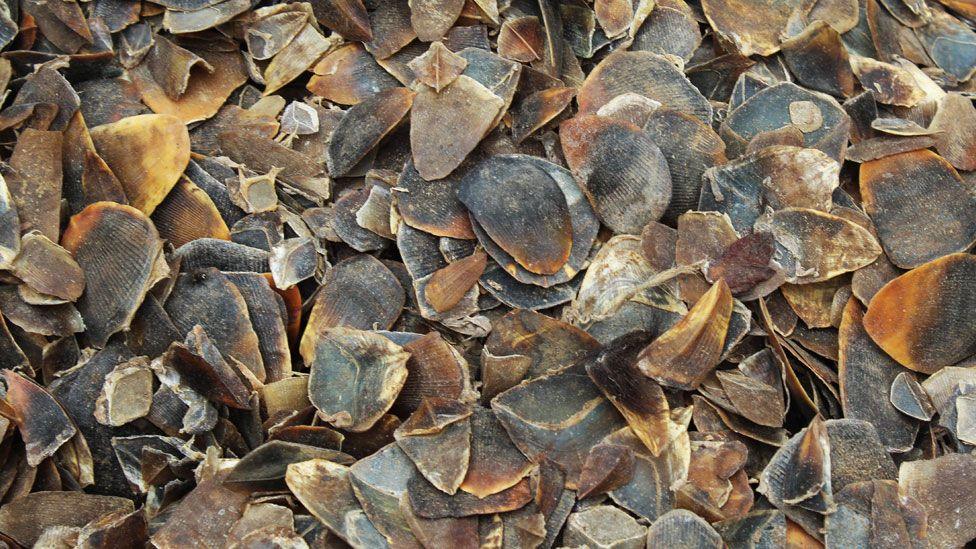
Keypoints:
(349, 75)
(521, 39)
(364, 125)
(147, 153)
(449, 285)
(206, 297)
(647, 74)
(919, 205)
(355, 376)
(522, 209)
(347, 17)
(639, 399)
(918, 318)
(445, 126)
(120, 252)
(48, 268)
(622, 171)
(866, 374)
(43, 424)
(689, 350)
(359, 293)
(35, 181)
(495, 464)
(438, 67)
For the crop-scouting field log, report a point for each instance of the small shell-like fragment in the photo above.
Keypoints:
(799, 472)
(702, 236)
(345, 222)
(690, 147)
(648, 74)
(622, 171)
(813, 302)
(364, 125)
(938, 218)
(908, 396)
(762, 529)
(900, 126)
(48, 268)
(438, 67)
(690, 350)
(956, 121)
(751, 26)
(35, 179)
(607, 467)
(446, 126)
(431, 19)
(614, 16)
(555, 416)
(355, 376)
(148, 153)
(538, 109)
(649, 493)
(127, 393)
(879, 147)
(583, 222)
(819, 60)
(266, 36)
(323, 488)
(432, 206)
(206, 297)
(448, 286)
(756, 391)
(437, 438)
(919, 317)
(121, 254)
(296, 58)
(521, 39)
(604, 526)
(347, 17)
(391, 28)
(891, 85)
(380, 481)
(435, 370)
(950, 43)
(744, 264)
(495, 464)
(270, 460)
(683, 529)
(292, 261)
(668, 31)
(203, 368)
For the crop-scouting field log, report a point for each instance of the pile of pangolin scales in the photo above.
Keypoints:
(487, 274)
